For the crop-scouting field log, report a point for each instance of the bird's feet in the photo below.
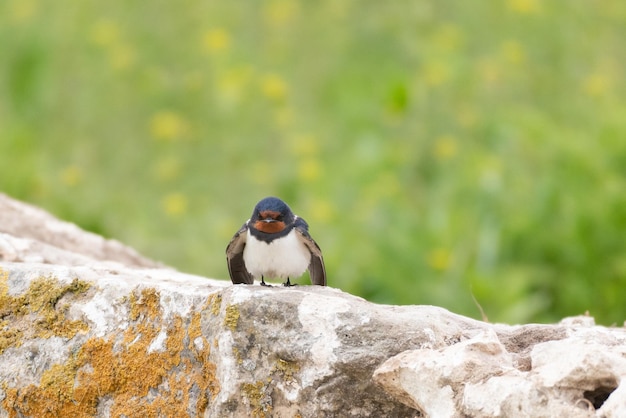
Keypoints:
(263, 283)
(288, 283)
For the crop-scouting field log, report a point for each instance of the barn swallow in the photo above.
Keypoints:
(274, 243)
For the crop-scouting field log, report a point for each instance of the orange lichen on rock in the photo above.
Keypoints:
(52, 398)
(146, 304)
(139, 370)
(39, 312)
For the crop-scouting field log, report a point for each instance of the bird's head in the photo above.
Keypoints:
(271, 215)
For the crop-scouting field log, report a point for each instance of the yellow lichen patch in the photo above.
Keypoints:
(286, 368)
(4, 278)
(37, 312)
(237, 355)
(214, 302)
(9, 336)
(135, 370)
(232, 317)
(260, 402)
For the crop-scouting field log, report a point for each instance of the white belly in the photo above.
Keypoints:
(282, 258)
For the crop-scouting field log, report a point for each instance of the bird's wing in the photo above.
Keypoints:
(234, 257)
(317, 271)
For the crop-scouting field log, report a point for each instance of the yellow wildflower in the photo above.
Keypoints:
(232, 85)
(167, 125)
(175, 204)
(280, 12)
(524, 6)
(439, 259)
(436, 73)
(513, 52)
(216, 40)
(596, 84)
(22, 10)
(274, 87)
(309, 170)
(105, 33)
(445, 147)
(71, 175)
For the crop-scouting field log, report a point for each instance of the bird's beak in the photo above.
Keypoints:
(268, 220)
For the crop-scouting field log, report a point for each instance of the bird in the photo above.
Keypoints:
(274, 243)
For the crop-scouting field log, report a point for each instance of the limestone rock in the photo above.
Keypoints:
(88, 327)
(44, 238)
(112, 341)
(563, 370)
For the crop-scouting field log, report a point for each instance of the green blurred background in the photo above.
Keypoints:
(441, 151)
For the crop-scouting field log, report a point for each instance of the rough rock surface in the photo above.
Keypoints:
(576, 371)
(44, 238)
(90, 328)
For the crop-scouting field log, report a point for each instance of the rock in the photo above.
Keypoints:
(573, 371)
(409, 375)
(88, 327)
(47, 239)
(112, 341)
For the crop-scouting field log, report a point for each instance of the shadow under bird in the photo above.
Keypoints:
(274, 243)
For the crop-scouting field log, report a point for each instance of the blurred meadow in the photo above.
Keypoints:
(441, 151)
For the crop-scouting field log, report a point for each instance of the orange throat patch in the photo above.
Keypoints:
(270, 227)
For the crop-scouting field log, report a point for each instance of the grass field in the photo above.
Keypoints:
(441, 151)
